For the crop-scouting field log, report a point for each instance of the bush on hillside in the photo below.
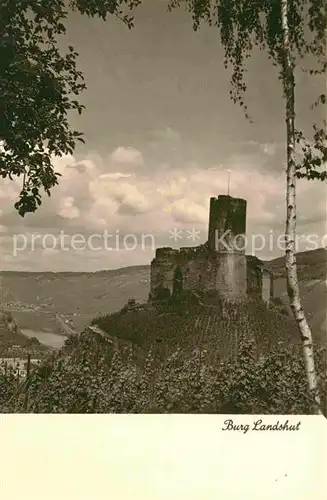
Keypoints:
(33, 341)
(278, 305)
(95, 378)
(161, 293)
(10, 385)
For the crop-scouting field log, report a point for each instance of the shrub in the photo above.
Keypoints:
(278, 305)
(161, 293)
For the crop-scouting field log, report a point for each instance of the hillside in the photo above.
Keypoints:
(312, 269)
(190, 323)
(35, 298)
(13, 343)
(311, 265)
(185, 357)
(196, 355)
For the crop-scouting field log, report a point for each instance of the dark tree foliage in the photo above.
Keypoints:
(93, 377)
(38, 87)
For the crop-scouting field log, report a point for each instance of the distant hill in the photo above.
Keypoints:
(83, 296)
(311, 265)
(312, 270)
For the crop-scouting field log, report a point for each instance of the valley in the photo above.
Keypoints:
(53, 305)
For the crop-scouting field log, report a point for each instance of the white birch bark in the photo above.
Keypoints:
(290, 231)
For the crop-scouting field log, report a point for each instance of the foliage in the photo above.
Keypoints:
(9, 380)
(278, 305)
(111, 382)
(186, 372)
(38, 83)
(9, 317)
(161, 293)
(38, 86)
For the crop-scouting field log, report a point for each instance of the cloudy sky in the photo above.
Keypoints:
(161, 134)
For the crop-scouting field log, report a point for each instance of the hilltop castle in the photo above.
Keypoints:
(218, 265)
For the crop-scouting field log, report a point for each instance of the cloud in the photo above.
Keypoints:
(131, 201)
(114, 176)
(127, 156)
(124, 197)
(68, 209)
(186, 211)
(94, 195)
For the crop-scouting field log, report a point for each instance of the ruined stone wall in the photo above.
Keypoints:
(200, 271)
(162, 270)
(267, 286)
(272, 289)
(231, 275)
(192, 274)
(254, 277)
(191, 262)
(260, 281)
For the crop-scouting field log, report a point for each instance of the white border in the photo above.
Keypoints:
(159, 457)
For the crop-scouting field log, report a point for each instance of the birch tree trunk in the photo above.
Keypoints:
(290, 231)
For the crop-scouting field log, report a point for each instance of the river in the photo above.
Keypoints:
(49, 339)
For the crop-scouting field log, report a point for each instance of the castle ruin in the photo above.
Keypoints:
(219, 265)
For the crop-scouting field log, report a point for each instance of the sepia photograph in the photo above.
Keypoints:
(163, 209)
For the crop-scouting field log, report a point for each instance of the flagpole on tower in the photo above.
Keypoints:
(229, 172)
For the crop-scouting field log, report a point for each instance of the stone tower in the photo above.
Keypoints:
(220, 265)
(226, 244)
(227, 214)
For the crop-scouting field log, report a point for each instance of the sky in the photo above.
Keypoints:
(161, 134)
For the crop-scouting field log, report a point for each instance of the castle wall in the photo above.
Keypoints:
(254, 277)
(225, 273)
(231, 275)
(260, 281)
(162, 269)
(272, 289)
(192, 262)
(191, 271)
(267, 286)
